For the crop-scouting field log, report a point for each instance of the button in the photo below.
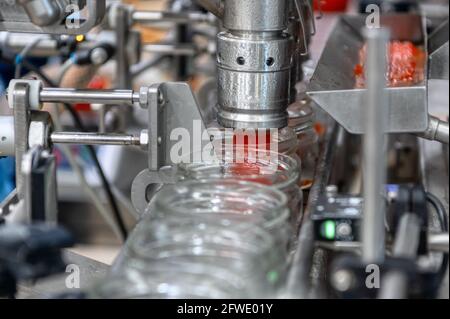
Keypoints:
(343, 230)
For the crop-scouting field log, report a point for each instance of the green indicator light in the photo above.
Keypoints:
(273, 276)
(329, 229)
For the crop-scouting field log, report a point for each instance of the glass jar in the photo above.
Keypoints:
(285, 140)
(263, 167)
(225, 199)
(163, 282)
(242, 255)
(301, 120)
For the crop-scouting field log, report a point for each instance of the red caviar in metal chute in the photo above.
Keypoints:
(405, 68)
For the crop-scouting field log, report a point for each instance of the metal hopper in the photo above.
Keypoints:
(332, 85)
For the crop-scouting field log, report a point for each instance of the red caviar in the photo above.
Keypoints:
(246, 141)
(405, 68)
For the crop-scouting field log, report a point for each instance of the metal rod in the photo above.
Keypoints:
(437, 130)
(438, 242)
(93, 139)
(373, 231)
(395, 283)
(170, 49)
(147, 17)
(122, 32)
(16, 42)
(114, 97)
(47, 46)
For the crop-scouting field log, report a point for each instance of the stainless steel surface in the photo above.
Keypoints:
(93, 139)
(437, 130)
(39, 131)
(46, 209)
(16, 42)
(122, 32)
(332, 86)
(148, 17)
(114, 97)
(438, 53)
(21, 130)
(171, 106)
(254, 80)
(146, 184)
(438, 242)
(44, 12)
(171, 49)
(375, 163)
(49, 46)
(256, 15)
(254, 59)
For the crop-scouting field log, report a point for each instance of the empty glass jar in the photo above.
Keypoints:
(163, 282)
(225, 199)
(238, 254)
(263, 167)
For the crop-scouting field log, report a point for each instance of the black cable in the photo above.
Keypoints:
(80, 126)
(440, 210)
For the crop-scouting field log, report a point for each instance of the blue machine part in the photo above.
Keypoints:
(7, 182)
(6, 177)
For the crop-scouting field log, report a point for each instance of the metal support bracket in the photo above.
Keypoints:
(172, 109)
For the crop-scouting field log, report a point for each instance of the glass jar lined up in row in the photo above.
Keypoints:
(223, 238)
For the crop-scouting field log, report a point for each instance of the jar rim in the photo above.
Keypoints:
(175, 231)
(164, 200)
(286, 173)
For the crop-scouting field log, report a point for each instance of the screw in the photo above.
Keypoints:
(332, 190)
(342, 280)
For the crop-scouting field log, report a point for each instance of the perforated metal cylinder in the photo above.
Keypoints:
(254, 63)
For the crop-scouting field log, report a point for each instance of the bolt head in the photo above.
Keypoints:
(143, 97)
(38, 134)
(144, 139)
